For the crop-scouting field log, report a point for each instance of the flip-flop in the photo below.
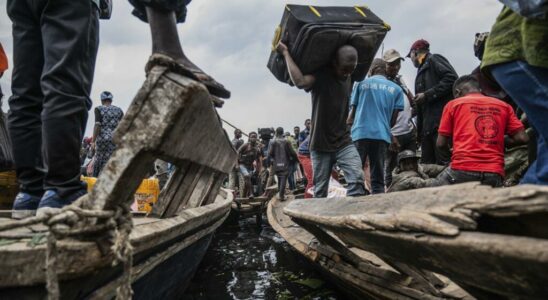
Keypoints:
(214, 87)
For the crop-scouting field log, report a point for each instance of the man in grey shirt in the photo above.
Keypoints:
(403, 133)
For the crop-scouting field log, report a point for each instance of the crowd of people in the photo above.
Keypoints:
(275, 153)
(452, 129)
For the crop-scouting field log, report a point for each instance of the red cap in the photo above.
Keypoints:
(419, 44)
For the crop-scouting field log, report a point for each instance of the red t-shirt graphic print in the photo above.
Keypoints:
(477, 125)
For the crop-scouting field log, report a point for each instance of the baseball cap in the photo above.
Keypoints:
(106, 95)
(377, 62)
(407, 154)
(419, 44)
(391, 55)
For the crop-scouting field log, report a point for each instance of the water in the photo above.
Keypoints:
(246, 261)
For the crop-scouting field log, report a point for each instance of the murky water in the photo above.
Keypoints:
(246, 261)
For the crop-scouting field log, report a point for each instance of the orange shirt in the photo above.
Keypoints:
(477, 124)
(3, 60)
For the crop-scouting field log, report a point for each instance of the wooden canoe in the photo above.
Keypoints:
(359, 274)
(166, 254)
(492, 242)
(172, 118)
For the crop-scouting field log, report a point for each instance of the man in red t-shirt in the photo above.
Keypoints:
(477, 125)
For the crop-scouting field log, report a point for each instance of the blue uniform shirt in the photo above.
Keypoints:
(375, 99)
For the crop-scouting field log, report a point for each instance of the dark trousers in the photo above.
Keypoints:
(282, 181)
(430, 153)
(450, 176)
(291, 177)
(54, 45)
(375, 150)
(528, 86)
(407, 142)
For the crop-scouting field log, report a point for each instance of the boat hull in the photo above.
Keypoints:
(492, 242)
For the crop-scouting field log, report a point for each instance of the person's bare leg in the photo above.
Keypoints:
(165, 39)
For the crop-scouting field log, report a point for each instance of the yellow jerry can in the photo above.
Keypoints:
(145, 196)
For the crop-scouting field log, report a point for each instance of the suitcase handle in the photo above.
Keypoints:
(315, 11)
(360, 11)
(277, 37)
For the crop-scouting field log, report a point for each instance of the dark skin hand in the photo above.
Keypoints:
(394, 145)
(520, 138)
(443, 144)
(300, 80)
(419, 99)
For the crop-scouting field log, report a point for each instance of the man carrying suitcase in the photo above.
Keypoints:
(330, 140)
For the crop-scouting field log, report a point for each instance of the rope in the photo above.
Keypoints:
(74, 221)
(233, 126)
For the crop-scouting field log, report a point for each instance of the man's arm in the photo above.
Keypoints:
(292, 153)
(517, 139)
(443, 144)
(259, 161)
(300, 80)
(394, 118)
(354, 100)
(351, 115)
(447, 75)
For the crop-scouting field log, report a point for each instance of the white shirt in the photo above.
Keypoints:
(403, 123)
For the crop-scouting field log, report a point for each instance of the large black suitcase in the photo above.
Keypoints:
(314, 33)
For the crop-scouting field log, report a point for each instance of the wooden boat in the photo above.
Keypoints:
(162, 122)
(246, 207)
(492, 242)
(359, 274)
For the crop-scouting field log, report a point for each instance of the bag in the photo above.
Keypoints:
(313, 35)
(6, 156)
(535, 9)
(105, 9)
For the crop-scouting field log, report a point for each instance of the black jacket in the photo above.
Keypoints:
(282, 155)
(435, 79)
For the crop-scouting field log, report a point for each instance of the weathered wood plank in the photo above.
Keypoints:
(459, 231)
(18, 266)
(368, 280)
(171, 118)
(169, 192)
(109, 291)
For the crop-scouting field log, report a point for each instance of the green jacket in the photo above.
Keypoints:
(410, 180)
(514, 37)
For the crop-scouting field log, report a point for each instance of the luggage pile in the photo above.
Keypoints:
(313, 34)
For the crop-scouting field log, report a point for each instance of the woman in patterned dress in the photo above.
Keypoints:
(107, 117)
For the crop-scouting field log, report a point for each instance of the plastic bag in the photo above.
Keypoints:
(336, 190)
(536, 9)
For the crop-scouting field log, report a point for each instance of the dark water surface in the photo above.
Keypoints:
(246, 261)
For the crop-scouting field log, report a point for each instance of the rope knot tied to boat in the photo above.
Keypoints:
(75, 221)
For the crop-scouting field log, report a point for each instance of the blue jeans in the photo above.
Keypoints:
(291, 177)
(348, 160)
(528, 87)
(246, 172)
(375, 150)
